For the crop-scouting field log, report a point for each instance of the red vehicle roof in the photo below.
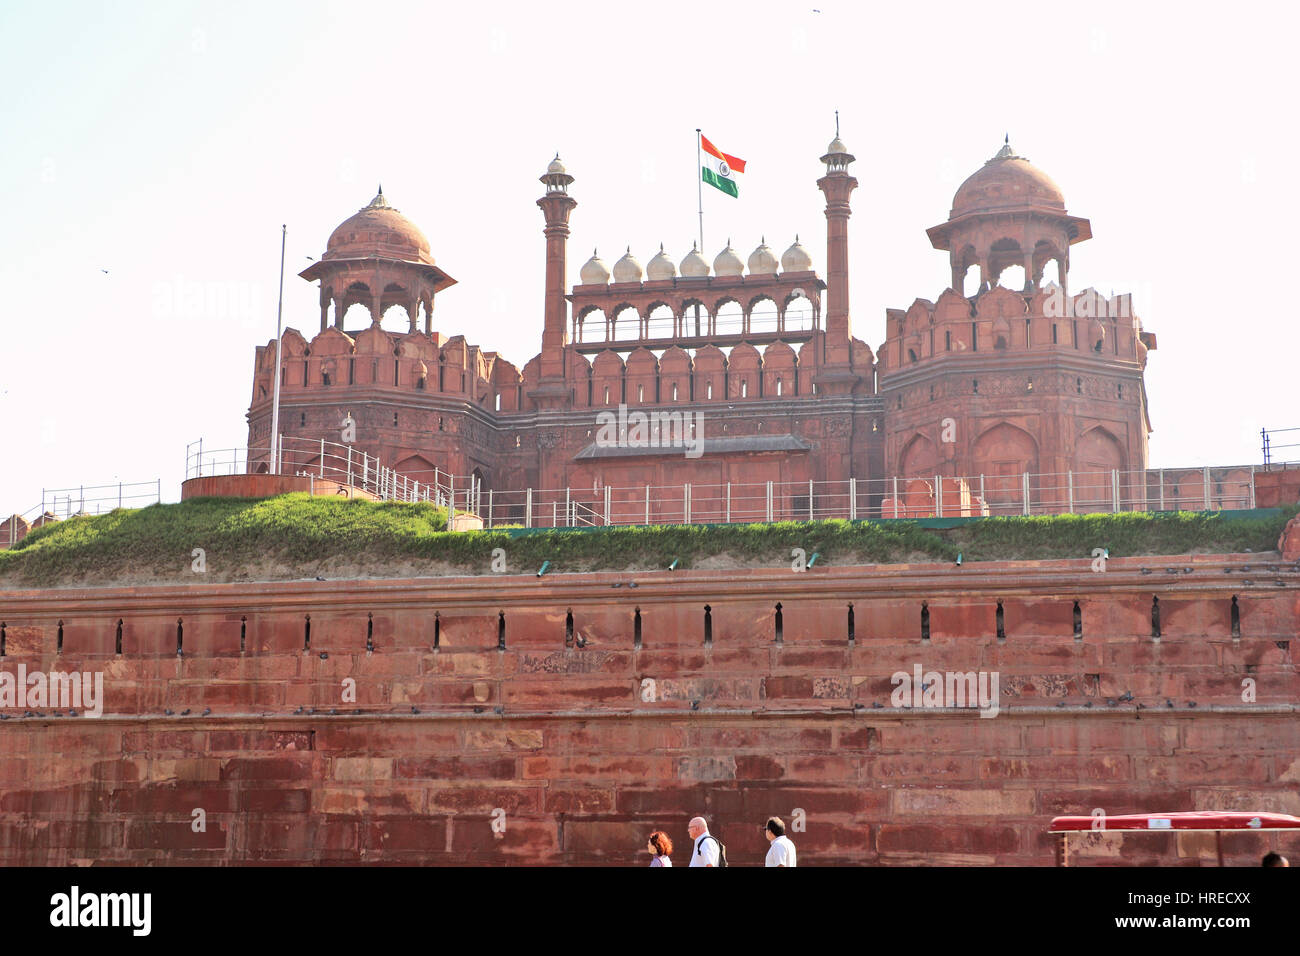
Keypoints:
(1183, 820)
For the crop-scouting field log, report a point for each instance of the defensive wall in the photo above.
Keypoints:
(559, 719)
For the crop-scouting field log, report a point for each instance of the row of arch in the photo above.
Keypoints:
(1003, 453)
(696, 318)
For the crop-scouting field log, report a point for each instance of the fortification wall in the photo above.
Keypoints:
(563, 741)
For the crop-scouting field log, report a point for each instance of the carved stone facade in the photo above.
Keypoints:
(763, 358)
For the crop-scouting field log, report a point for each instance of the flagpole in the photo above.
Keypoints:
(699, 186)
(275, 414)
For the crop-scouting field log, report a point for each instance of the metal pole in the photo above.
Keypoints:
(647, 504)
(810, 500)
(1024, 485)
(555, 514)
(607, 490)
(451, 500)
(1252, 486)
(1162, 489)
(1069, 484)
(699, 189)
(568, 507)
(1114, 491)
(984, 502)
(1205, 472)
(279, 312)
(728, 502)
(938, 496)
(769, 502)
(686, 502)
(853, 499)
(528, 510)
(119, 488)
(489, 516)
(895, 496)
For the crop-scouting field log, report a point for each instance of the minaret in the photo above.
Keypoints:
(556, 206)
(837, 185)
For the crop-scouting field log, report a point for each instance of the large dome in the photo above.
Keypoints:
(378, 231)
(1007, 181)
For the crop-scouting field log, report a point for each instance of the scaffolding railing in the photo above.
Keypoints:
(922, 496)
(341, 463)
(59, 504)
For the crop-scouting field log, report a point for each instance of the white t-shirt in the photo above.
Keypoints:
(705, 851)
(781, 852)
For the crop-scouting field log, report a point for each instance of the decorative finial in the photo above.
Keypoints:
(837, 122)
(1007, 139)
(661, 247)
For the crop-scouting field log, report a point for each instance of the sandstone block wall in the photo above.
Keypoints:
(561, 719)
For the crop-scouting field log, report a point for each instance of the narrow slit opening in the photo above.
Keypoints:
(636, 628)
(1236, 618)
(925, 621)
(1002, 622)
(306, 634)
(568, 628)
(243, 632)
(370, 633)
(1155, 617)
(117, 641)
(1078, 620)
(437, 630)
(851, 637)
(60, 639)
(501, 630)
(708, 624)
(780, 624)
(180, 637)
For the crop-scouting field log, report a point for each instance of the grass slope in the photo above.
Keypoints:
(295, 536)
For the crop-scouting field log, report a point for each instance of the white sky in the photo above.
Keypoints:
(167, 142)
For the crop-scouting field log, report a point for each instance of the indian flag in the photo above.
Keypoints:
(718, 169)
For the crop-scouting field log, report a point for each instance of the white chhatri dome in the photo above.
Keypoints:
(728, 263)
(593, 271)
(660, 267)
(837, 146)
(556, 166)
(796, 258)
(627, 269)
(762, 261)
(694, 266)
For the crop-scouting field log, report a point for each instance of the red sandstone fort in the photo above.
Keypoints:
(483, 732)
(1000, 384)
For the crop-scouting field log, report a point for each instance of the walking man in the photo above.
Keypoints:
(781, 852)
(705, 851)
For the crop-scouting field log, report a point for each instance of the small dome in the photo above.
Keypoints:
(694, 266)
(378, 231)
(556, 166)
(728, 263)
(593, 271)
(1007, 181)
(627, 269)
(796, 258)
(837, 146)
(660, 267)
(762, 261)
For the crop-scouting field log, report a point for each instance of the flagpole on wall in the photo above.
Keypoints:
(275, 414)
(699, 186)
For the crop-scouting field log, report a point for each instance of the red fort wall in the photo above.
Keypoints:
(585, 760)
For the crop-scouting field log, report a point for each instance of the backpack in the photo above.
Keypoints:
(722, 850)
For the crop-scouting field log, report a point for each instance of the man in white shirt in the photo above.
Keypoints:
(781, 852)
(705, 850)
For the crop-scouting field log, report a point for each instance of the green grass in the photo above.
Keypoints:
(294, 535)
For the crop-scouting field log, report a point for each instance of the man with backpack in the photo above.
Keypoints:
(707, 851)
